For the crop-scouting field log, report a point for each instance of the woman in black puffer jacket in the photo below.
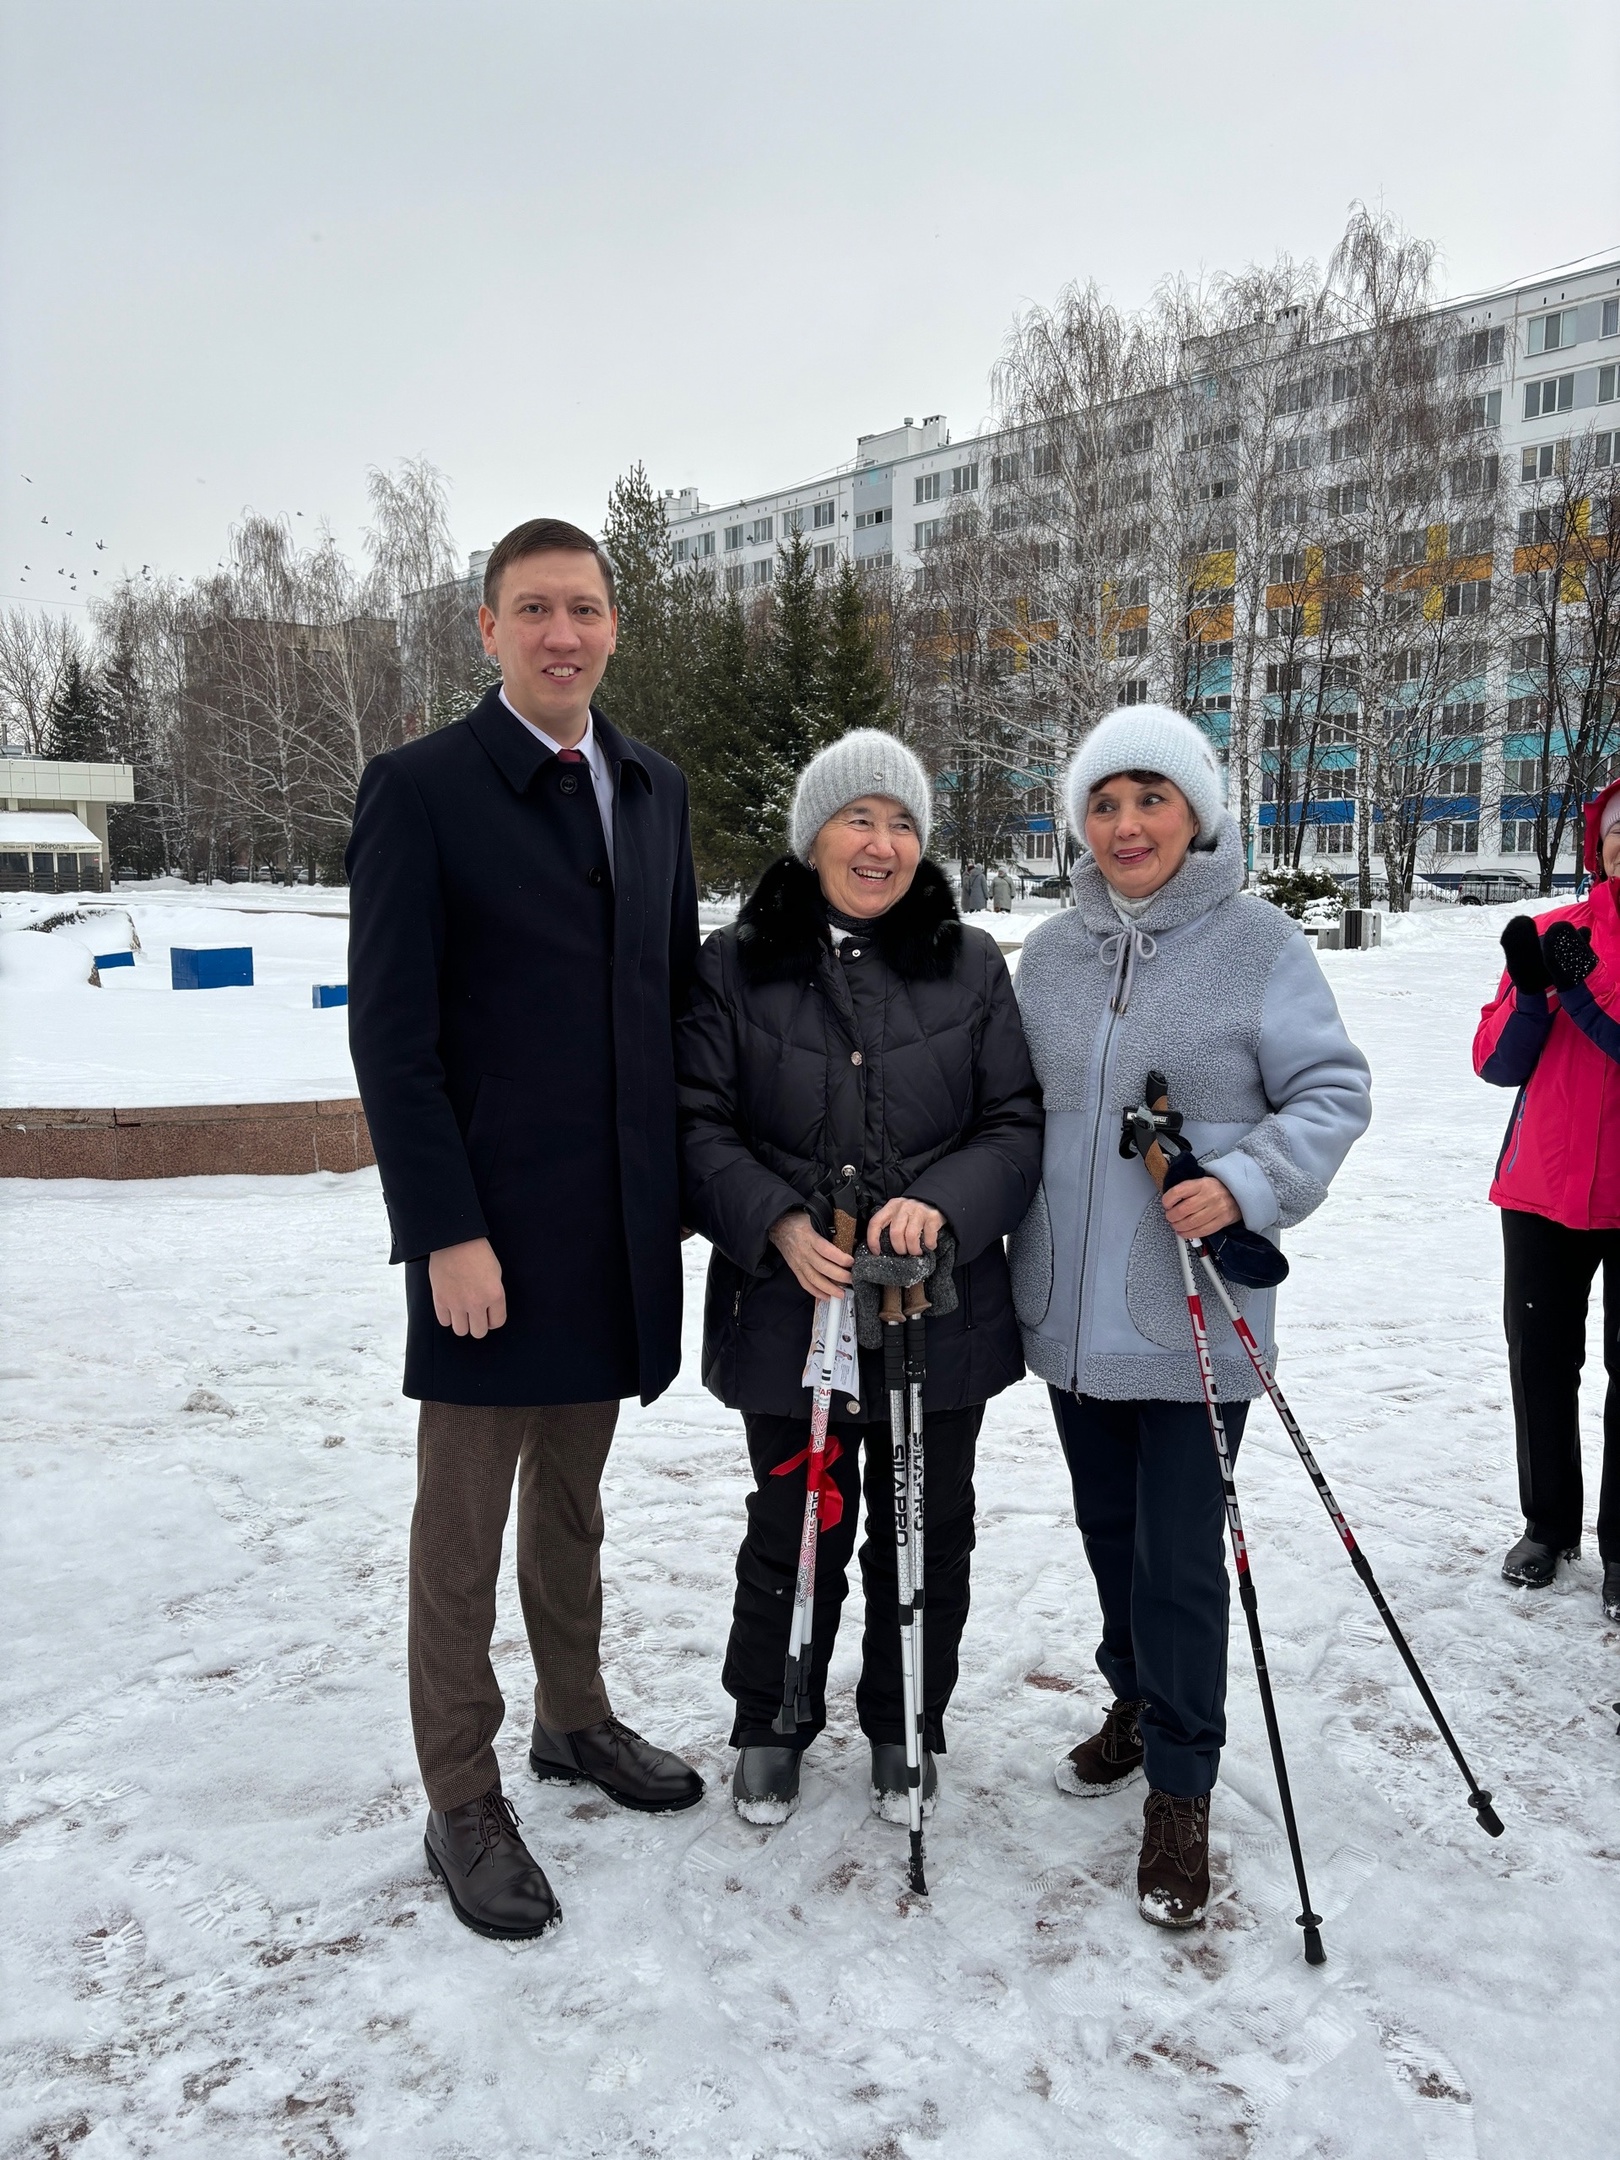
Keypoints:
(848, 1023)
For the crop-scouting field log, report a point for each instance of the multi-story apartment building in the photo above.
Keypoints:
(1536, 363)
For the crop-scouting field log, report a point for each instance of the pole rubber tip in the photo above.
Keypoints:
(914, 1873)
(1312, 1924)
(1489, 1821)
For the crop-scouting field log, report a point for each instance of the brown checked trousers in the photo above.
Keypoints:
(466, 1458)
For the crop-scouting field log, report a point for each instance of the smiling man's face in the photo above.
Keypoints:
(553, 632)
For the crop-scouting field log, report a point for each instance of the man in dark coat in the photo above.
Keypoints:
(523, 926)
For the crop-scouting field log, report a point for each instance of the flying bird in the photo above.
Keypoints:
(30, 482)
(44, 521)
(101, 543)
(70, 532)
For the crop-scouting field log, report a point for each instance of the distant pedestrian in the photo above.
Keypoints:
(847, 1026)
(523, 927)
(975, 899)
(1163, 964)
(1553, 1032)
(1001, 893)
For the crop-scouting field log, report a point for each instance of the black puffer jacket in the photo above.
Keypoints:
(899, 1052)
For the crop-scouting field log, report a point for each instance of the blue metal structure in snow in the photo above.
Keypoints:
(211, 967)
(329, 994)
(115, 959)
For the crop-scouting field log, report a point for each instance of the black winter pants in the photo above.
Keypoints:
(1147, 1497)
(768, 1563)
(1546, 1281)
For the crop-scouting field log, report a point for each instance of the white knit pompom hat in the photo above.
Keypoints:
(1150, 738)
(866, 761)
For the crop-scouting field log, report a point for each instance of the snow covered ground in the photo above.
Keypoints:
(220, 1933)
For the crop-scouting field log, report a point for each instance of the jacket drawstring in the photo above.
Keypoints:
(1120, 952)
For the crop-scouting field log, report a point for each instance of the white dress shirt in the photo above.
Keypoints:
(596, 759)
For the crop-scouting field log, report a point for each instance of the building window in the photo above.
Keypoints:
(1346, 383)
(1290, 508)
(736, 573)
(1479, 348)
(1482, 410)
(1518, 836)
(1132, 644)
(1295, 455)
(1006, 518)
(1137, 436)
(679, 550)
(1285, 622)
(1460, 779)
(1521, 775)
(1606, 448)
(762, 529)
(1287, 567)
(1469, 596)
(1457, 836)
(826, 555)
(734, 537)
(1216, 490)
(1005, 469)
(1526, 715)
(1528, 655)
(1285, 677)
(866, 519)
(1608, 385)
(1047, 555)
(1472, 536)
(1134, 693)
(1475, 476)
(1345, 557)
(1043, 461)
(1554, 394)
(928, 487)
(1350, 441)
(927, 533)
(964, 479)
(1297, 396)
(1553, 333)
(1335, 839)
(823, 514)
(1538, 462)
(1536, 527)
(1611, 319)
(1348, 499)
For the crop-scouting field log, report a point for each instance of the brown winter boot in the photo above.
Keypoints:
(1172, 1870)
(1110, 1759)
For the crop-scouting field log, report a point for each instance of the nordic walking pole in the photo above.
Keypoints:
(914, 1304)
(891, 1314)
(1146, 1138)
(1478, 1799)
(827, 1326)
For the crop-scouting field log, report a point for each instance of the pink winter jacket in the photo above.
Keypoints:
(1561, 1156)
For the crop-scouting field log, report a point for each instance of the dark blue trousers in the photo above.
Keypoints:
(1147, 1497)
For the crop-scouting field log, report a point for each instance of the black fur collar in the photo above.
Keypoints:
(782, 929)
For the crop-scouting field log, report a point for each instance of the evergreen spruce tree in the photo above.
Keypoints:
(734, 773)
(76, 729)
(636, 691)
(795, 719)
(134, 835)
(854, 684)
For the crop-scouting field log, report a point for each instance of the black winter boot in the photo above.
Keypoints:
(496, 1885)
(890, 1790)
(1172, 1871)
(1534, 1565)
(1109, 1760)
(1611, 1589)
(618, 1762)
(765, 1784)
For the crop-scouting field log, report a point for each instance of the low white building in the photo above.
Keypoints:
(53, 823)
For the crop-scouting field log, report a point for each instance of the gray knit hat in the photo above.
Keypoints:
(863, 762)
(1150, 738)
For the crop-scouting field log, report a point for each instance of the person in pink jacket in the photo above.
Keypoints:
(1553, 1032)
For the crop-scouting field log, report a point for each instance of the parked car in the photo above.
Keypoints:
(1488, 888)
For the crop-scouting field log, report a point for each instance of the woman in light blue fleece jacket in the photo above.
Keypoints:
(1164, 964)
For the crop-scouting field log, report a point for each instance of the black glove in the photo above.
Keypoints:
(1526, 963)
(874, 1270)
(1243, 1256)
(1567, 950)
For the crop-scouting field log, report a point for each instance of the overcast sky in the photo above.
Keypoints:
(248, 251)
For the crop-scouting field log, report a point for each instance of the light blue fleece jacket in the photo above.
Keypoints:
(1221, 992)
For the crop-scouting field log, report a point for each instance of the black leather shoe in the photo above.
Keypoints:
(618, 1762)
(495, 1883)
(1535, 1565)
(765, 1784)
(1611, 1589)
(890, 1790)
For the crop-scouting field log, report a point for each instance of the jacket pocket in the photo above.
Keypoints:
(1029, 1255)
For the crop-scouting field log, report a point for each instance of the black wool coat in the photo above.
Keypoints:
(899, 1053)
(511, 1004)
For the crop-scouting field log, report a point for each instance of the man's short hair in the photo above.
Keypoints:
(535, 536)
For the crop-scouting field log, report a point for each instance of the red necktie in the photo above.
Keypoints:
(571, 757)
